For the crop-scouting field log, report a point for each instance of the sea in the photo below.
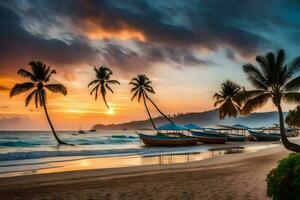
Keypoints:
(36, 152)
(20, 145)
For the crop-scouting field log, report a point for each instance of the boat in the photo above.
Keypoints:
(167, 141)
(81, 132)
(209, 137)
(236, 138)
(230, 137)
(261, 136)
(92, 130)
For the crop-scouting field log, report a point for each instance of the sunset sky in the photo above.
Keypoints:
(187, 48)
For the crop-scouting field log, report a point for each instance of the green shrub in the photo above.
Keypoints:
(283, 182)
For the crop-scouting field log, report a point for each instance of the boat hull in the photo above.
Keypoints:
(167, 141)
(264, 136)
(236, 138)
(209, 138)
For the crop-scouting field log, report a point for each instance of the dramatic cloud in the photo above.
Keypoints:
(18, 46)
(84, 32)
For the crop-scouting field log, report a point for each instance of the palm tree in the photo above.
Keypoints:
(102, 81)
(273, 80)
(39, 77)
(141, 86)
(226, 99)
(293, 118)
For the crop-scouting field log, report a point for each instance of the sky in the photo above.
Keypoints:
(187, 48)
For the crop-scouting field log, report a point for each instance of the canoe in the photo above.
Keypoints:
(209, 137)
(166, 141)
(261, 136)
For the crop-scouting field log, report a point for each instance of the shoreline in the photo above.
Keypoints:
(157, 157)
(247, 170)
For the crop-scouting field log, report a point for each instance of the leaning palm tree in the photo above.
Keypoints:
(273, 80)
(39, 76)
(225, 99)
(102, 81)
(141, 86)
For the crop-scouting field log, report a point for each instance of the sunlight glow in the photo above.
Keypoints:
(110, 111)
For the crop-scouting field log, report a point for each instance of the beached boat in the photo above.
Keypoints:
(261, 136)
(209, 137)
(230, 137)
(236, 138)
(167, 141)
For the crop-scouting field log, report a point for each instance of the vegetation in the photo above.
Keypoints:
(283, 182)
(226, 99)
(293, 118)
(103, 82)
(273, 80)
(39, 76)
(141, 87)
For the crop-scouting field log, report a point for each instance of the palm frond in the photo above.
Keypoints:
(27, 74)
(280, 58)
(134, 95)
(20, 88)
(255, 76)
(109, 88)
(57, 88)
(218, 102)
(255, 103)
(294, 65)
(53, 71)
(291, 97)
(103, 93)
(244, 96)
(228, 108)
(293, 84)
(93, 82)
(218, 97)
(113, 82)
(29, 97)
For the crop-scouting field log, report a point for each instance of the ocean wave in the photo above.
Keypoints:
(124, 136)
(18, 143)
(100, 153)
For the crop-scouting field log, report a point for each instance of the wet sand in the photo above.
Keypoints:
(235, 176)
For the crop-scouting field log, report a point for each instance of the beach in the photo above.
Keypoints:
(231, 176)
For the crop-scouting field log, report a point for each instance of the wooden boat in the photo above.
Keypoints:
(166, 141)
(230, 137)
(236, 138)
(209, 137)
(261, 136)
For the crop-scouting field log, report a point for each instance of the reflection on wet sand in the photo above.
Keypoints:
(112, 162)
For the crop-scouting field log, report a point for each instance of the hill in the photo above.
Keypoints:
(206, 118)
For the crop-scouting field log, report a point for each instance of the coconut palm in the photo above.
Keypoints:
(102, 82)
(293, 118)
(275, 80)
(39, 76)
(141, 87)
(225, 99)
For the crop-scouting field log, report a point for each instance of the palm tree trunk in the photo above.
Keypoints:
(160, 111)
(287, 144)
(51, 126)
(144, 99)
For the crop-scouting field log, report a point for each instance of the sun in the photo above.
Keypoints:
(110, 111)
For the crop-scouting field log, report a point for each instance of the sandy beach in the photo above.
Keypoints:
(234, 176)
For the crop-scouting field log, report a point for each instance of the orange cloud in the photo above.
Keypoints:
(94, 31)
